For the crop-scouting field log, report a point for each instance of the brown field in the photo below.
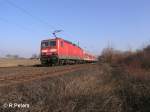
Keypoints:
(4, 62)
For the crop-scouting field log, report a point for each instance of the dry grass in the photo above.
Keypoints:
(6, 62)
(131, 73)
(100, 89)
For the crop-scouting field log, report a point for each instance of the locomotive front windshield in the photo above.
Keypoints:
(44, 44)
(52, 43)
(48, 44)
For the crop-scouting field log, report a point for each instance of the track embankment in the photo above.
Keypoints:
(14, 75)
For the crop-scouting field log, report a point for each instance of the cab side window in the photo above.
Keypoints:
(62, 43)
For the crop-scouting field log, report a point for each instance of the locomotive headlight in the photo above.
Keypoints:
(44, 51)
(53, 50)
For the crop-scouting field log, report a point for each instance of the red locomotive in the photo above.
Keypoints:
(60, 51)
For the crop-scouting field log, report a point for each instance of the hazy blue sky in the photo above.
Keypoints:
(94, 23)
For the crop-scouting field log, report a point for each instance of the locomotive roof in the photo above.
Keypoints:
(72, 43)
(63, 40)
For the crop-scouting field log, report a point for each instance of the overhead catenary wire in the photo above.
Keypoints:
(7, 21)
(18, 25)
(23, 10)
(29, 14)
(10, 2)
(38, 19)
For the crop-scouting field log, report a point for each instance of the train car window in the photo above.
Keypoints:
(52, 43)
(62, 44)
(44, 44)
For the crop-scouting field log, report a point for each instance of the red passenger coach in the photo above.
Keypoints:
(60, 51)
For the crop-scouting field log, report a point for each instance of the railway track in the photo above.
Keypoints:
(20, 77)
